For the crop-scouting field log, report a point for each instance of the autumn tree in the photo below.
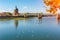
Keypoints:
(54, 4)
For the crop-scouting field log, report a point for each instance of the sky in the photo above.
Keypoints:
(23, 6)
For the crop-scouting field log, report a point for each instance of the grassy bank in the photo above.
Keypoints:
(13, 19)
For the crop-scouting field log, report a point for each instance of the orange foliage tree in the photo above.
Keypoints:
(54, 4)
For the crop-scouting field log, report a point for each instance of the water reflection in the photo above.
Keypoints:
(16, 23)
(58, 21)
(39, 21)
(31, 29)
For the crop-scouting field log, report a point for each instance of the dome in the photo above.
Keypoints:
(16, 8)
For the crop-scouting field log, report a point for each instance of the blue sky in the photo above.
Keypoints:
(23, 5)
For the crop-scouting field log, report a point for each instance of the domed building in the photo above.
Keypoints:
(16, 13)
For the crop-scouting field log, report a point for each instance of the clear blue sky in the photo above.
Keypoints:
(23, 5)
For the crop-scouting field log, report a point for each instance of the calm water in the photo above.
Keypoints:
(47, 28)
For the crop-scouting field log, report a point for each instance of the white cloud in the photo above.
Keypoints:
(24, 7)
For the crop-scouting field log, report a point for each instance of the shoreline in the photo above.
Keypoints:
(39, 16)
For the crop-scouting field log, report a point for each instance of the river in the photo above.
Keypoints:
(47, 28)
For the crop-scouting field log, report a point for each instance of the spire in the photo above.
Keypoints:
(16, 13)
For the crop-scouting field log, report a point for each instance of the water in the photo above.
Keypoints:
(47, 28)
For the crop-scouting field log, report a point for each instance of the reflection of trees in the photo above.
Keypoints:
(16, 23)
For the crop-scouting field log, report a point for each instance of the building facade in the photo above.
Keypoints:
(16, 13)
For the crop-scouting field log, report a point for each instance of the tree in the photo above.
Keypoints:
(54, 4)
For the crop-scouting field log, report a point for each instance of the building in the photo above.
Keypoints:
(16, 13)
(5, 14)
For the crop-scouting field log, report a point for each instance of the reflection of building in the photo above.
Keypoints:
(16, 23)
(16, 13)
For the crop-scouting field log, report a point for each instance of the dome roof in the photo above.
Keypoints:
(16, 8)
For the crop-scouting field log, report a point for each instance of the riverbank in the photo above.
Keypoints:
(27, 15)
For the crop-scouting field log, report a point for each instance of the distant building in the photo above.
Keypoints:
(16, 13)
(5, 14)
